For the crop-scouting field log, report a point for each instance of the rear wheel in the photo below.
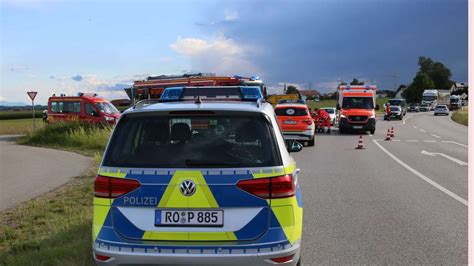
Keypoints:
(311, 142)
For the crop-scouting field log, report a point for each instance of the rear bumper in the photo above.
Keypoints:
(205, 255)
(299, 135)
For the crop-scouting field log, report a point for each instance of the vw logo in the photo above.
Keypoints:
(187, 188)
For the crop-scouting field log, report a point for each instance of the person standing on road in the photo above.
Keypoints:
(45, 116)
(388, 111)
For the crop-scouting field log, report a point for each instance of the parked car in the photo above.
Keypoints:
(395, 112)
(296, 122)
(332, 114)
(413, 107)
(441, 109)
(186, 182)
(425, 107)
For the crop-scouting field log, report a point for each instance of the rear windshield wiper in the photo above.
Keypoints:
(205, 163)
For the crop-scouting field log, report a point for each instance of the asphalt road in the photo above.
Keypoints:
(398, 202)
(27, 172)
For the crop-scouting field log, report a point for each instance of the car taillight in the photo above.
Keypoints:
(308, 121)
(283, 259)
(269, 188)
(110, 187)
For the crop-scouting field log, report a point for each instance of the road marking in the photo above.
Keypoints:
(454, 142)
(445, 156)
(420, 175)
(404, 120)
(429, 141)
(422, 130)
(414, 127)
(395, 140)
(436, 136)
(412, 140)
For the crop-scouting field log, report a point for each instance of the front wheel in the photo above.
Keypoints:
(372, 131)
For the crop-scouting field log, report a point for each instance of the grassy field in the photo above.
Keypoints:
(461, 117)
(4, 115)
(19, 126)
(55, 228)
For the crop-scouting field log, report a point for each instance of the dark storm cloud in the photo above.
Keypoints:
(323, 41)
(77, 78)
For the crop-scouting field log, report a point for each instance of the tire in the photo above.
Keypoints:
(299, 262)
(342, 131)
(372, 131)
(311, 142)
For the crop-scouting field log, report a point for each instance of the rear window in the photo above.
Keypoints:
(212, 141)
(329, 111)
(291, 111)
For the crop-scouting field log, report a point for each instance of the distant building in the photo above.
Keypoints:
(458, 86)
(310, 93)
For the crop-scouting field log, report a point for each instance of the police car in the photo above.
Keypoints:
(202, 177)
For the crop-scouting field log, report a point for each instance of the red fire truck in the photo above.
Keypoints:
(83, 107)
(153, 87)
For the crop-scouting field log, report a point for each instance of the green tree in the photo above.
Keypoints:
(420, 83)
(292, 90)
(356, 82)
(437, 71)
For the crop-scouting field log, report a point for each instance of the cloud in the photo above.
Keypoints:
(113, 87)
(231, 16)
(18, 68)
(219, 55)
(77, 78)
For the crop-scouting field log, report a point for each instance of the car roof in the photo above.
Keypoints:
(211, 105)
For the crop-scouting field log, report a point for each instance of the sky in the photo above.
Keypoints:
(65, 46)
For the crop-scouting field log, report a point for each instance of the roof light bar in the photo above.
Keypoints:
(242, 93)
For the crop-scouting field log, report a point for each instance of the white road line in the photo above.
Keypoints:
(420, 175)
(445, 156)
(436, 136)
(422, 130)
(404, 120)
(429, 141)
(414, 127)
(395, 140)
(454, 142)
(412, 140)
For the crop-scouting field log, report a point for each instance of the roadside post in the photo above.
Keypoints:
(32, 95)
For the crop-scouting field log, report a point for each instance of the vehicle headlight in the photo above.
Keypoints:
(372, 116)
(342, 116)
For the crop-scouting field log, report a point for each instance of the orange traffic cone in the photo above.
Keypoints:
(360, 146)
(392, 134)
(389, 135)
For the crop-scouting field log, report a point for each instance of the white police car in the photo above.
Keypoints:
(204, 177)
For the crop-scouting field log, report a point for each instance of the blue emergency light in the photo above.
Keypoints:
(243, 93)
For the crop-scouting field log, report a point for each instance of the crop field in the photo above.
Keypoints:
(19, 126)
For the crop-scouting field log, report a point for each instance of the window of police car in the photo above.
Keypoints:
(216, 141)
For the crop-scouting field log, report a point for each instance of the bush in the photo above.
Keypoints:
(72, 135)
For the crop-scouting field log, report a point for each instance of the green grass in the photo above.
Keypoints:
(333, 103)
(53, 229)
(76, 136)
(461, 117)
(5, 115)
(19, 126)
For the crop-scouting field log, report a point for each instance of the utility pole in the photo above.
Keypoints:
(394, 76)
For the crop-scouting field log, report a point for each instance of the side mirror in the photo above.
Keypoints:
(377, 107)
(338, 107)
(94, 113)
(294, 146)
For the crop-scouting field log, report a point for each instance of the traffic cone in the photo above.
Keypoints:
(392, 134)
(389, 135)
(360, 146)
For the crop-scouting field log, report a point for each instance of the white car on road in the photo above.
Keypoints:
(441, 110)
(332, 114)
